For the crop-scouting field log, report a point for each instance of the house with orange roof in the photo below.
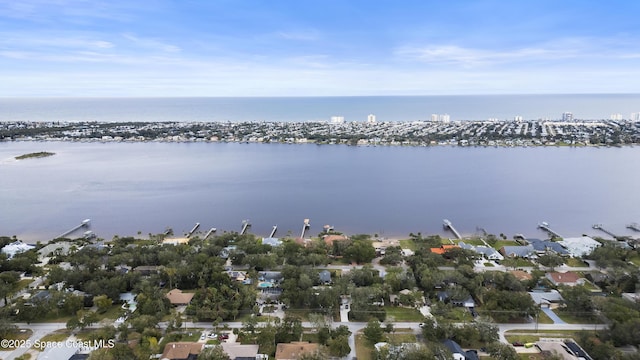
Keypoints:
(177, 297)
(443, 249)
(182, 350)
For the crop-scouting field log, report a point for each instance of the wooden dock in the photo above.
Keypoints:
(449, 226)
(545, 226)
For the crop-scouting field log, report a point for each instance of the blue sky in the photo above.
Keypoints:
(317, 48)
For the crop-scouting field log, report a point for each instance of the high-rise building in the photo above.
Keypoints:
(517, 118)
(337, 119)
(434, 117)
(567, 116)
(617, 116)
(635, 116)
(445, 118)
(371, 118)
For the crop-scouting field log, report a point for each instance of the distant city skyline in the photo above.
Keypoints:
(313, 48)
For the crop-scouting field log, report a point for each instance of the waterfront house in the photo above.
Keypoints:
(568, 278)
(442, 249)
(274, 242)
(16, 247)
(579, 246)
(330, 239)
(526, 252)
(486, 252)
(543, 246)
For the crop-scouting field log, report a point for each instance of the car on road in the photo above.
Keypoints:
(517, 343)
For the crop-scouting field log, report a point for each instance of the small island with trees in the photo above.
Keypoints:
(40, 154)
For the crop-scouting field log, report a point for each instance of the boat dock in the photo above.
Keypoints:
(599, 227)
(211, 231)
(449, 226)
(634, 226)
(84, 223)
(545, 226)
(195, 227)
(273, 231)
(245, 226)
(305, 227)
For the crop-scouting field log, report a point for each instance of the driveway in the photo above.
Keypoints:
(556, 319)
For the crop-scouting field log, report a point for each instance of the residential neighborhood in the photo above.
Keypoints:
(239, 296)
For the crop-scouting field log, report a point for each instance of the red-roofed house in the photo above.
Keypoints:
(442, 249)
(568, 278)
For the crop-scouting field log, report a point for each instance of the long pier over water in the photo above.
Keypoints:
(449, 226)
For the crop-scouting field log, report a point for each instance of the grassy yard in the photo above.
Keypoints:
(20, 285)
(402, 314)
(399, 338)
(364, 351)
(408, 244)
(56, 336)
(17, 335)
(573, 262)
(544, 318)
(500, 243)
(573, 319)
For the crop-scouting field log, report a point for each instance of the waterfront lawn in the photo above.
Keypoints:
(408, 244)
(500, 243)
(395, 313)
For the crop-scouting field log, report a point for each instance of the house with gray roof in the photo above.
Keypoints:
(456, 349)
(325, 277)
(274, 242)
(543, 246)
(486, 252)
(527, 252)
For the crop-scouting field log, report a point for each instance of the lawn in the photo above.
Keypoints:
(364, 351)
(544, 318)
(500, 243)
(400, 338)
(573, 319)
(57, 336)
(17, 335)
(573, 262)
(408, 244)
(395, 313)
(20, 285)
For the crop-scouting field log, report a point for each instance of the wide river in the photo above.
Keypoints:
(131, 188)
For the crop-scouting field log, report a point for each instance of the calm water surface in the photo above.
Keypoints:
(145, 187)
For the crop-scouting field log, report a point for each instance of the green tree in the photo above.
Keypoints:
(213, 353)
(360, 251)
(6, 328)
(339, 346)
(499, 351)
(373, 331)
(578, 301)
(551, 260)
(103, 303)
